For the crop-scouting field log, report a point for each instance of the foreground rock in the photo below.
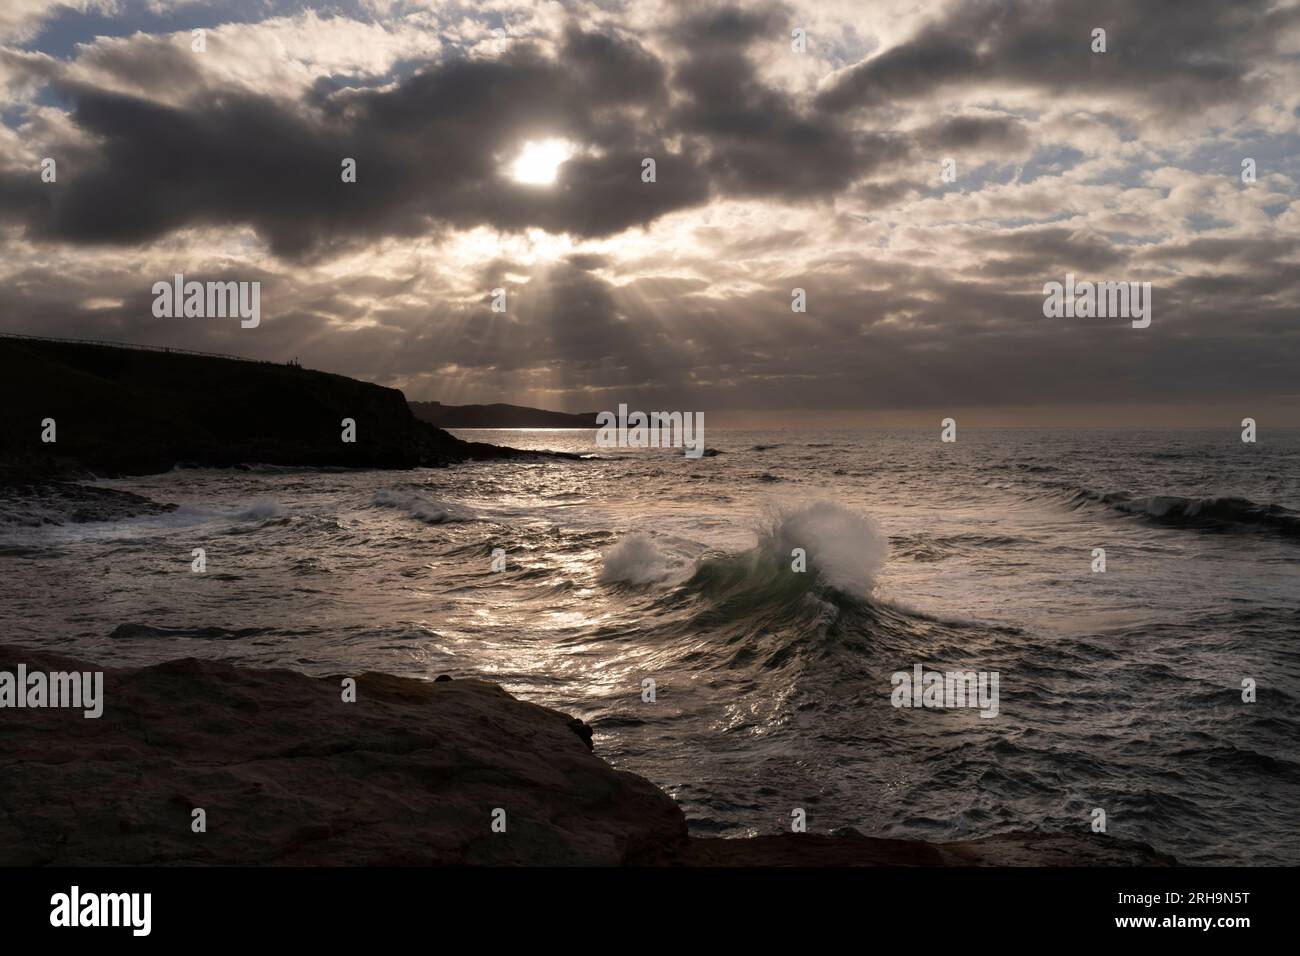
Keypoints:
(287, 773)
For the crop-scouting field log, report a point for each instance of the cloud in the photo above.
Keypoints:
(429, 150)
(1167, 58)
(775, 170)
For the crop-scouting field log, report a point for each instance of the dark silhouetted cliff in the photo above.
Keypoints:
(134, 411)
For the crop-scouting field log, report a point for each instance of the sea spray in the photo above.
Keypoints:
(638, 560)
(845, 549)
(819, 543)
(260, 510)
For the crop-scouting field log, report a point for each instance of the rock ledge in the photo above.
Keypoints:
(410, 774)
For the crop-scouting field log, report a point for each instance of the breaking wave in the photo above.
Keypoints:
(637, 559)
(815, 546)
(1222, 514)
(427, 509)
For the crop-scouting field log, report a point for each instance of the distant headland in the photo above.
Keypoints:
(498, 416)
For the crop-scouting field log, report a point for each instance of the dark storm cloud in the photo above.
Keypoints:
(1054, 249)
(921, 294)
(667, 343)
(989, 134)
(430, 150)
(429, 155)
(758, 140)
(1241, 252)
(877, 195)
(1177, 55)
(966, 342)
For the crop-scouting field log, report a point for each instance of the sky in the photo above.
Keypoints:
(921, 169)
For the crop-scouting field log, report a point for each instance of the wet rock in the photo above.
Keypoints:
(37, 503)
(583, 731)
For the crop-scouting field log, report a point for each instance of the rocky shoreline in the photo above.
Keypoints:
(446, 772)
(54, 502)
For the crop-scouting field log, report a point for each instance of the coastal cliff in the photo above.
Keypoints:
(128, 411)
(412, 773)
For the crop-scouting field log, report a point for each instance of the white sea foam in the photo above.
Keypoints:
(847, 549)
(424, 507)
(637, 559)
(260, 510)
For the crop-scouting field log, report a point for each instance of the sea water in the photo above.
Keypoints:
(770, 687)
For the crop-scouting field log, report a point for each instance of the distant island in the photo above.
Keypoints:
(498, 416)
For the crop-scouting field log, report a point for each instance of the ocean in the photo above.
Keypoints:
(653, 596)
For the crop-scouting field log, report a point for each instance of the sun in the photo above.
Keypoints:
(539, 161)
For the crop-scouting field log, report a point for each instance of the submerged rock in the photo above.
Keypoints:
(37, 503)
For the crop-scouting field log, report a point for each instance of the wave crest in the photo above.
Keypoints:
(845, 549)
(638, 560)
(1206, 514)
(842, 551)
(427, 509)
